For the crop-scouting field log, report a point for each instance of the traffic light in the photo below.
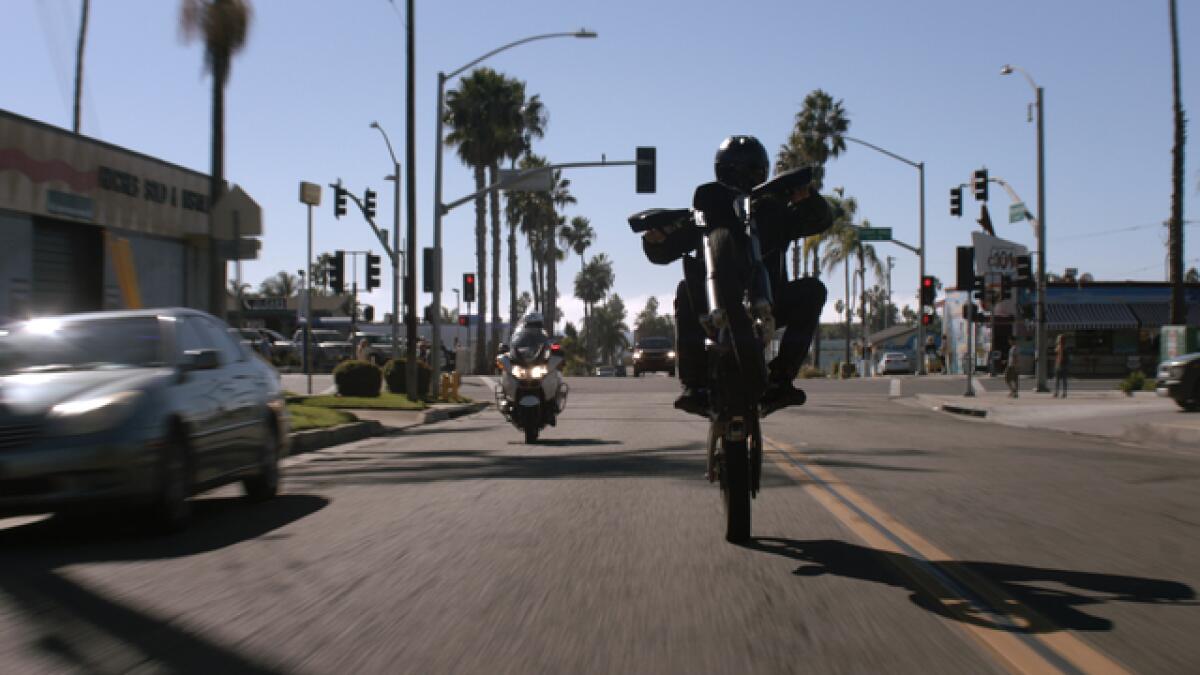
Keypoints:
(372, 271)
(979, 184)
(337, 272)
(928, 291)
(369, 203)
(429, 313)
(1024, 272)
(646, 169)
(956, 201)
(977, 287)
(339, 202)
(464, 320)
(926, 319)
(368, 313)
(431, 271)
(965, 270)
(468, 287)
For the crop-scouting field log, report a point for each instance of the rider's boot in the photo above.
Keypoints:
(780, 392)
(693, 400)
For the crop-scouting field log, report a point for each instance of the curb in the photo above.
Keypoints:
(315, 439)
(960, 410)
(452, 411)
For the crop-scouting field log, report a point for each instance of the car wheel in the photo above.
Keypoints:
(172, 510)
(671, 372)
(265, 484)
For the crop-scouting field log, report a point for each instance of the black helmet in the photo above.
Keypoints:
(742, 162)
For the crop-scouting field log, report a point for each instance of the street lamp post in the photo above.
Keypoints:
(395, 177)
(438, 208)
(1040, 334)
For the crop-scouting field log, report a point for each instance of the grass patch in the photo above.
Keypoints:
(315, 417)
(385, 401)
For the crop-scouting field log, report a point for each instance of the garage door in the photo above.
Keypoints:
(68, 261)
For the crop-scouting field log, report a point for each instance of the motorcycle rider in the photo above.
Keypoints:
(742, 163)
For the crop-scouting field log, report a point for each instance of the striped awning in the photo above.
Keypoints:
(1156, 314)
(1089, 316)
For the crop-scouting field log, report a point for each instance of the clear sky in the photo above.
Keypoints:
(920, 78)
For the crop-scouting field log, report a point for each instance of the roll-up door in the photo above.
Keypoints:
(68, 264)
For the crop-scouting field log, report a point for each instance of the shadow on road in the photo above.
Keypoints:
(83, 630)
(1048, 600)
(569, 442)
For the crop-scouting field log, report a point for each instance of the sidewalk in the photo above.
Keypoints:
(377, 423)
(1142, 418)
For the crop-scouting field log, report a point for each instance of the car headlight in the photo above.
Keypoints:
(90, 415)
(637, 355)
(671, 354)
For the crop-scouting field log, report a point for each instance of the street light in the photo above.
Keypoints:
(1040, 335)
(438, 210)
(395, 247)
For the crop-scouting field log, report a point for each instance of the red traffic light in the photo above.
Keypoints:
(463, 321)
(926, 319)
(927, 282)
(470, 278)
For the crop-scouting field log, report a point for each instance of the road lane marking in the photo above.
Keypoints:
(488, 382)
(894, 388)
(978, 383)
(964, 596)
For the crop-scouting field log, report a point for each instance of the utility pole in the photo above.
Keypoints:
(887, 313)
(83, 22)
(410, 283)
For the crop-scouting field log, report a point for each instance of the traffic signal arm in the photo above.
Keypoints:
(342, 194)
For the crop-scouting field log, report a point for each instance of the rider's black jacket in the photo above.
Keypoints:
(779, 224)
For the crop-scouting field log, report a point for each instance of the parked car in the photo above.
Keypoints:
(143, 407)
(1179, 378)
(281, 347)
(894, 362)
(251, 338)
(379, 347)
(330, 348)
(654, 354)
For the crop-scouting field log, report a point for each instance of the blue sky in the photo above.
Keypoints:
(919, 78)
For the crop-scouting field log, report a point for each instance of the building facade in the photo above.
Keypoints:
(76, 214)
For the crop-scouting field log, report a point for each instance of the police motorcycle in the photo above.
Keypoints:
(531, 393)
(738, 326)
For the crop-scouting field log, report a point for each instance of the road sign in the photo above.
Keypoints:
(1016, 212)
(874, 234)
(535, 181)
(236, 215)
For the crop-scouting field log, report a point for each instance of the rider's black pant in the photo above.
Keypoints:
(798, 306)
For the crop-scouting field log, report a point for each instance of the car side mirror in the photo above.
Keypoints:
(199, 359)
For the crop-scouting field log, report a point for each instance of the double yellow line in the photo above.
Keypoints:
(987, 614)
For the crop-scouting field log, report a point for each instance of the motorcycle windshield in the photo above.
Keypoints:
(528, 347)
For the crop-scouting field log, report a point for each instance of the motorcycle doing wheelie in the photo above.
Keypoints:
(531, 393)
(739, 325)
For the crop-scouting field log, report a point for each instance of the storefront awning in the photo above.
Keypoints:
(1156, 314)
(1089, 316)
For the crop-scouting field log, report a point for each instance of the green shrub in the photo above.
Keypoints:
(1135, 381)
(357, 378)
(809, 372)
(394, 375)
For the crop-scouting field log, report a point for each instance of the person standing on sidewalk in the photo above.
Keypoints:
(1062, 362)
(1012, 372)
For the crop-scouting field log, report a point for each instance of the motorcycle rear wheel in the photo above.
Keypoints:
(735, 490)
(531, 435)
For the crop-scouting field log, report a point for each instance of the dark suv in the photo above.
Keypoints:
(654, 354)
(1179, 378)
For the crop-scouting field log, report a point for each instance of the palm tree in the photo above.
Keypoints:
(818, 134)
(844, 210)
(281, 285)
(561, 197)
(223, 26)
(475, 129)
(532, 124)
(844, 246)
(577, 236)
(610, 327)
(591, 285)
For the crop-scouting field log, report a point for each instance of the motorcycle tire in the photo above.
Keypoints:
(531, 435)
(735, 490)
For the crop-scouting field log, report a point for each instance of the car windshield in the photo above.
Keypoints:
(327, 336)
(655, 343)
(43, 345)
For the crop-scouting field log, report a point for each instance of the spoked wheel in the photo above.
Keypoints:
(735, 489)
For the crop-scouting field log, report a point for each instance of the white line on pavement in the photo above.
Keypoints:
(978, 384)
(894, 388)
(489, 382)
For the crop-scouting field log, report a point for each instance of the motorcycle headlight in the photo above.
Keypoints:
(637, 354)
(90, 415)
(529, 373)
(519, 372)
(671, 354)
(538, 372)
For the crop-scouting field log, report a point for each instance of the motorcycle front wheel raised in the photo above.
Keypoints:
(735, 489)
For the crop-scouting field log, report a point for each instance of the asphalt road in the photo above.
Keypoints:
(888, 538)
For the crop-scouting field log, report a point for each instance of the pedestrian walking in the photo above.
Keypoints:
(1062, 363)
(1012, 372)
(363, 352)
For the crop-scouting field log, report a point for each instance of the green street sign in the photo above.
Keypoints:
(1016, 212)
(874, 234)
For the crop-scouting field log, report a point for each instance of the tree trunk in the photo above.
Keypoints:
(495, 203)
(846, 267)
(481, 334)
(1175, 234)
(512, 275)
(83, 22)
(216, 267)
(552, 283)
